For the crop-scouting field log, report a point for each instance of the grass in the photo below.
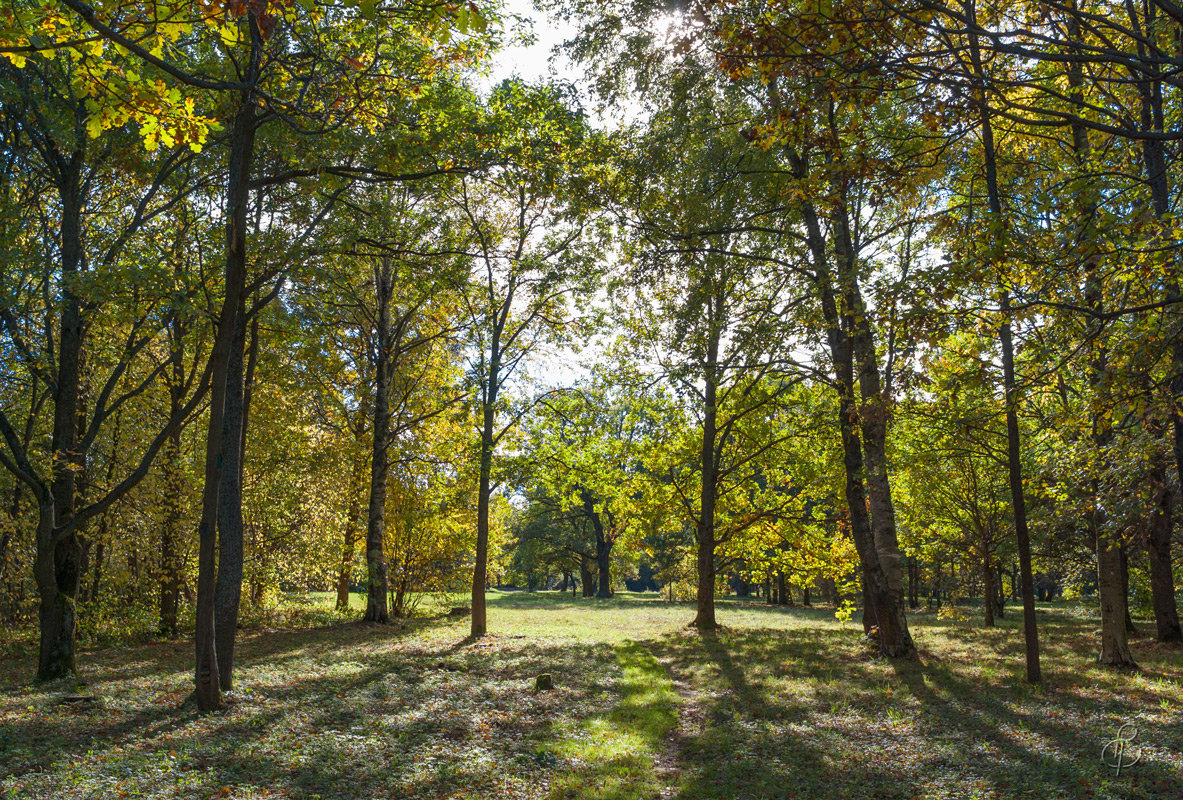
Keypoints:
(781, 703)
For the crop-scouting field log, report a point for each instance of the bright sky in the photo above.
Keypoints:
(533, 61)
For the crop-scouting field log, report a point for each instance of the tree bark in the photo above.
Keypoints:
(228, 585)
(242, 144)
(376, 583)
(1010, 385)
(585, 575)
(603, 545)
(881, 609)
(1158, 555)
(704, 618)
(1115, 648)
(58, 557)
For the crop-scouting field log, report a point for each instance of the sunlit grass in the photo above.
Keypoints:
(781, 703)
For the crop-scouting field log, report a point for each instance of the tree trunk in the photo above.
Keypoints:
(228, 585)
(880, 604)
(704, 618)
(376, 583)
(97, 579)
(585, 575)
(172, 472)
(58, 557)
(988, 592)
(1158, 556)
(913, 583)
(1130, 628)
(1010, 386)
(782, 590)
(1115, 648)
(242, 143)
(603, 544)
(480, 569)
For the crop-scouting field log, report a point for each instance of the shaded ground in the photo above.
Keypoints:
(783, 703)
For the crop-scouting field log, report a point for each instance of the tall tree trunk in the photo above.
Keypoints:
(376, 585)
(1158, 555)
(1010, 385)
(228, 585)
(101, 534)
(603, 563)
(480, 570)
(242, 144)
(1115, 648)
(880, 603)
(58, 557)
(704, 618)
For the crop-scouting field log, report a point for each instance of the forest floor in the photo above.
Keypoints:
(781, 703)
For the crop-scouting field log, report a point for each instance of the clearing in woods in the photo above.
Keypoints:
(782, 703)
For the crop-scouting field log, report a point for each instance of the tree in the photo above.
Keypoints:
(530, 251)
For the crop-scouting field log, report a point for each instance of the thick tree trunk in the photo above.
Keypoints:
(376, 583)
(782, 590)
(1158, 556)
(872, 411)
(603, 544)
(585, 575)
(1115, 648)
(480, 570)
(603, 563)
(228, 585)
(58, 556)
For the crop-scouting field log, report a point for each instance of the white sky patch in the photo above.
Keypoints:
(538, 59)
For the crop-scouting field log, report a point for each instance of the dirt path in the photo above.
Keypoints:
(692, 722)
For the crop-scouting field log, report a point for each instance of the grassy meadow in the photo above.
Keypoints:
(781, 703)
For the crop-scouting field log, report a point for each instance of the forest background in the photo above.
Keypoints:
(877, 301)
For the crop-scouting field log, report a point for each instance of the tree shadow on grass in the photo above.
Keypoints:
(788, 714)
(403, 719)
